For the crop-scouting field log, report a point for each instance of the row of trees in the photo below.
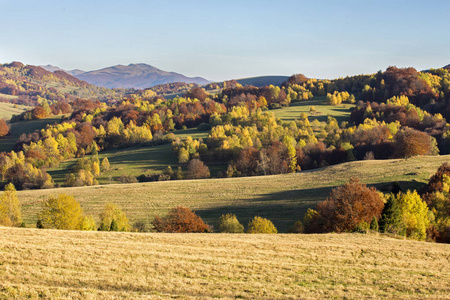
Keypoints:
(356, 207)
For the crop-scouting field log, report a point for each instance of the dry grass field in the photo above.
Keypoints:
(54, 264)
(280, 198)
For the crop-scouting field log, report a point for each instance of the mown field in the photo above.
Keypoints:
(281, 198)
(341, 112)
(54, 264)
(7, 110)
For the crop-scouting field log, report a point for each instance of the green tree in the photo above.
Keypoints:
(391, 220)
(62, 212)
(111, 213)
(261, 225)
(229, 224)
(10, 214)
(374, 224)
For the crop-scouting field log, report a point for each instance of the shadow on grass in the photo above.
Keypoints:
(286, 207)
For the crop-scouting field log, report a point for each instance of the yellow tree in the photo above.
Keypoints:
(10, 214)
(414, 213)
(62, 212)
(113, 218)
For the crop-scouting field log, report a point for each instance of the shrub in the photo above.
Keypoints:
(88, 223)
(312, 221)
(62, 212)
(229, 224)
(113, 218)
(261, 225)
(180, 219)
(297, 228)
(348, 206)
(374, 224)
(127, 179)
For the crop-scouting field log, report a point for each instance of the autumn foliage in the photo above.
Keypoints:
(348, 206)
(180, 219)
(4, 129)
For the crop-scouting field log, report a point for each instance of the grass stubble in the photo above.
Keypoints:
(89, 265)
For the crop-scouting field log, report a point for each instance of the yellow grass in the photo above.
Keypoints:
(281, 198)
(90, 265)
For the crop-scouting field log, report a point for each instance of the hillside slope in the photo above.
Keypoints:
(282, 198)
(91, 265)
(138, 76)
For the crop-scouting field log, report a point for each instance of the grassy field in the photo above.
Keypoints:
(282, 198)
(19, 128)
(53, 264)
(132, 161)
(341, 112)
(7, 110)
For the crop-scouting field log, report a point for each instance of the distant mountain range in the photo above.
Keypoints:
(261, 81)
(139, 76)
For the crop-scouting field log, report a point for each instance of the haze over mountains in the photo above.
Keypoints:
(138, 76)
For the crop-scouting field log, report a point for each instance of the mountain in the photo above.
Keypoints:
(139, 76)
(52, 68)
(447, 67)
(263, 80)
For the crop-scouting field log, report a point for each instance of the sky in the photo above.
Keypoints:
(221, 40)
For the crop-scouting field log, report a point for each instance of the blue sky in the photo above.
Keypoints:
(229, 39)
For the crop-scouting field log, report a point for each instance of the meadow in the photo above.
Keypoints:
(281, 198)
(7, 110)
(24, 127)
(55, 264)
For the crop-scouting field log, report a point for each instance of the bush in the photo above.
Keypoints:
(297, 228)
(348, 206)
(127, 179)
(180, 219)
(113, 218)
(374, 224)
(204, 127)
(229, 224)
(312, 221)
(261, 225)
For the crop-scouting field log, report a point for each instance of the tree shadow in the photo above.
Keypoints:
(286, 207)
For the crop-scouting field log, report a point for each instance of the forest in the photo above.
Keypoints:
(396, 113)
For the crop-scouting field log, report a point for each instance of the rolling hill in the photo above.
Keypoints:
(283, 199)
(137, 76)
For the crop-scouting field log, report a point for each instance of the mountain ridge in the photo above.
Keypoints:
(134, 75)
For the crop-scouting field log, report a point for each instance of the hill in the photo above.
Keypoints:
(138, 76)
(282, 198)
(263, 80)
(91, 265)
(28, 84)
